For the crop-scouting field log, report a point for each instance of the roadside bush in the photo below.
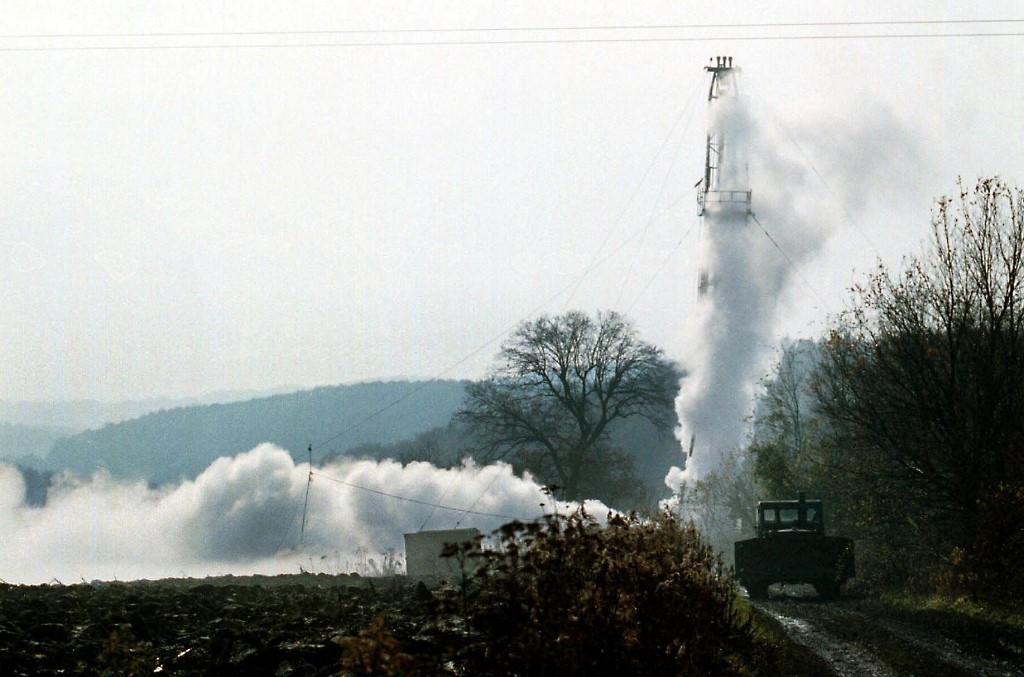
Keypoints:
(999, 545)
(568, 596)
(991, 567)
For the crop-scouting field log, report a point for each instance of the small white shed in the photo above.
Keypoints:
(423, 552)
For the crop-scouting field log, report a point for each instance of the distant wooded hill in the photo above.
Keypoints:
(169, 445)
(396, 419)
(29, 444)
(77, 415)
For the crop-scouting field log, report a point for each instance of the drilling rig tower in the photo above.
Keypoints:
(723, 193)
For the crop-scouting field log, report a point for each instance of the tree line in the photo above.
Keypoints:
(908, 414)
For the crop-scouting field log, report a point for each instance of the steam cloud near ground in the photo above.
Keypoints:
(749, 273)
(242, 516)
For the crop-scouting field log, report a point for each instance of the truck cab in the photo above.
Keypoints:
(791, 547)
(775, 517)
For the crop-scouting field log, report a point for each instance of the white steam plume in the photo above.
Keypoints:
(241, 516)
(752, 260)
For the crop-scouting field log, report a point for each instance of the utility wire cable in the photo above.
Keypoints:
(821, 177)
(657, 272)
(413, 500)
(792, 264)
(618, 219)
(506, 42)
(289, 525)
(515, 29)
(469, 510)
(691, 104)
(305, 502)
(451, 483)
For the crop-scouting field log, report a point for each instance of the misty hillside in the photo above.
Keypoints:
(78, 415)
(168, 445)
(29, 443)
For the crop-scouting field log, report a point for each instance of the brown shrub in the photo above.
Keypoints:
(375, 652)
(638, 596)
(991, 566)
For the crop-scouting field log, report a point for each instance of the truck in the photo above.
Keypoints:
(791, 547)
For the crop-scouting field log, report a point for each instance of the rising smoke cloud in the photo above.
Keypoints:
(750, 269)
(242, 516)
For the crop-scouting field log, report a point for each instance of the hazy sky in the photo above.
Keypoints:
(242, 209)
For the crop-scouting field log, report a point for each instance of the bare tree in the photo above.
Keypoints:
(722, 503)
(925, 374)
(785, 429)
(558, 384)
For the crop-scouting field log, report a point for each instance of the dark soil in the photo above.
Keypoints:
(232, 626)
(861, 637)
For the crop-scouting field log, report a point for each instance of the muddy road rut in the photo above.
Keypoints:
(855, 638)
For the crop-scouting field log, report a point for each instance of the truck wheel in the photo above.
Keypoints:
(757, 589)
(827, 589)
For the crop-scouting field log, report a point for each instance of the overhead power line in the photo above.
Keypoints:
(792, 264)
(515, 29)
(438, 506)
(459, 42)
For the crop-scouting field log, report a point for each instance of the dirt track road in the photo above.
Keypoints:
(855, 639)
